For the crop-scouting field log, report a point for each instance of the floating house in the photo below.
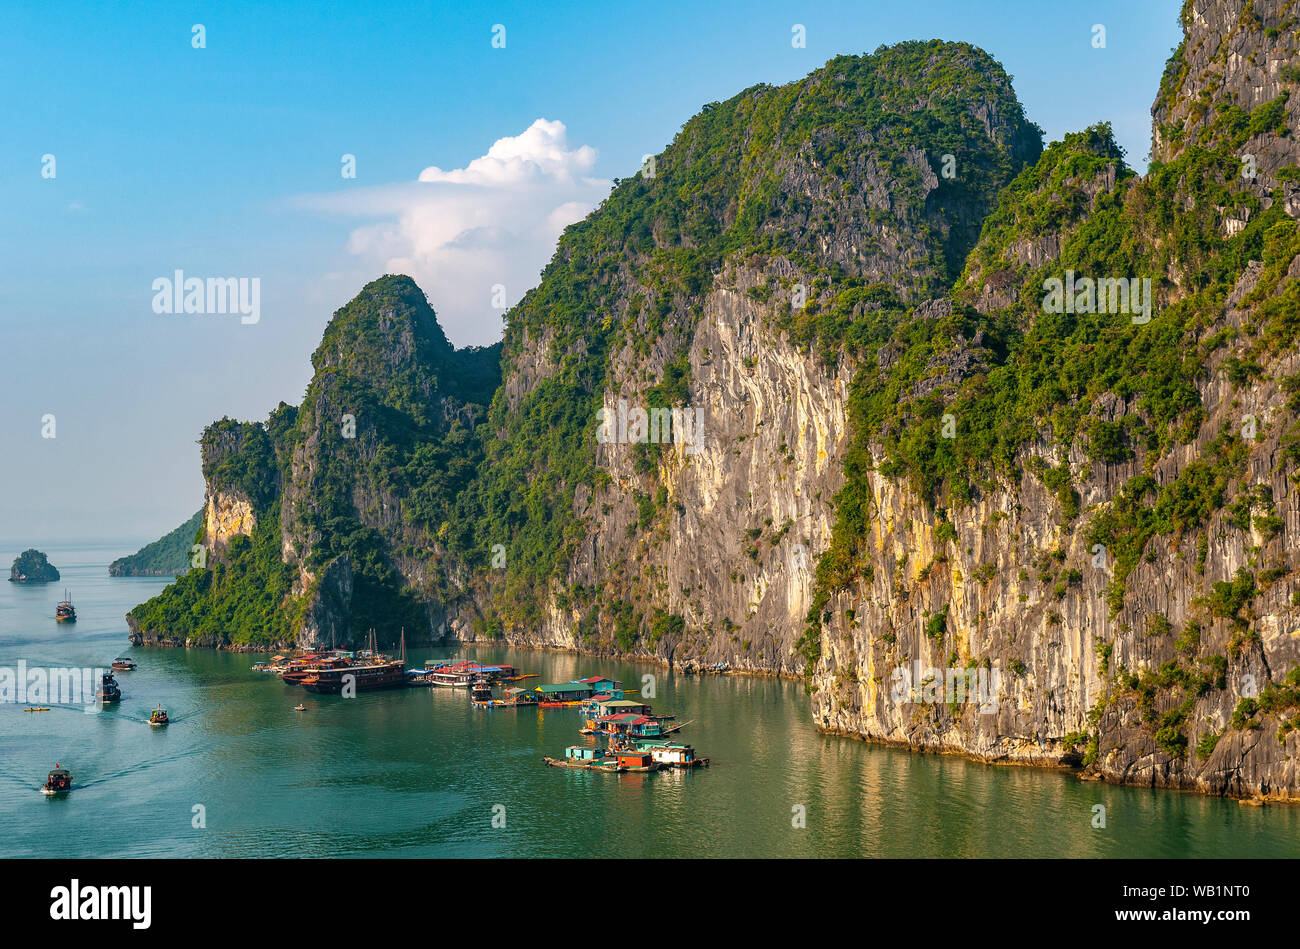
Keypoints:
(634, 759)
(671, 754)
(630, 726)
(557, 694)
(601, 684)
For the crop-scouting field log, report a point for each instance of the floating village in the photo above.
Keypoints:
(623, 733)
(634, 737)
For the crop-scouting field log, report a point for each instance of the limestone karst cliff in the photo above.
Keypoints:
(902, 455)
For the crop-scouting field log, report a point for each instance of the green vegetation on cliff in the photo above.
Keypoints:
(378, 452)
(168, 556)
(788, 171)
(1041, 377)
(241, 599)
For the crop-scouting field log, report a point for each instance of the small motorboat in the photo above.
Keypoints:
(58, 782)
(109, 690)
(300, 708)
(158, 716)
(124, 663)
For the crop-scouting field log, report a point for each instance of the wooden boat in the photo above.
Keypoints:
(158, 717)
(124, 663)
(367, 678)
(584, 757)
(58, 782)
(480, 691)
(64, 612)
(109, 692)
(601, 759)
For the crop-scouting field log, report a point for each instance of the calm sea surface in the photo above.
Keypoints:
(421, 773)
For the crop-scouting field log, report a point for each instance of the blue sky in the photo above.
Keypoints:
(225, 161)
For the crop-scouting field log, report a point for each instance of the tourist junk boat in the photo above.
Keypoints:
(449, 678)
(64, 612)
(58, 782)
(158, 716)
(480, 691)
(124, 663)
(109, 691)
(299, 669)
(463, 674)
(365, 678)
(368, 671)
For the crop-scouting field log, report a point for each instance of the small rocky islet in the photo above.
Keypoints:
(32, 566)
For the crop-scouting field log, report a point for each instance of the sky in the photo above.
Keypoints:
(476, 132)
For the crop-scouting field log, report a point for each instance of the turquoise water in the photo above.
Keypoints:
(421, 773)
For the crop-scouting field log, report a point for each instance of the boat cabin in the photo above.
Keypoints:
(672, 754)
(630, 758)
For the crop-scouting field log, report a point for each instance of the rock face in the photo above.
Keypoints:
(1171, 659)
(796, 401)
(32, 566)
(320, 524)
(704, 547)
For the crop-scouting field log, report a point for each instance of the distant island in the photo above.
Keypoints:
(166, 557)
(32, 566)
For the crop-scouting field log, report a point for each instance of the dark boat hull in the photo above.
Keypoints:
(333, 681)
(336, 688)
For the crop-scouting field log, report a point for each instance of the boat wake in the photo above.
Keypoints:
(137, 768)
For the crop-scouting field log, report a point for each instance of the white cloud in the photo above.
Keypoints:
(461, 232)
